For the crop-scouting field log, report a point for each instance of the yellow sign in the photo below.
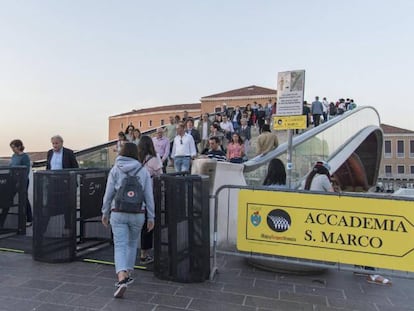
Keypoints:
(288, 123)
(377, 232)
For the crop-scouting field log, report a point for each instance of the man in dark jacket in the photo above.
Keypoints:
(193, 132)
(60, 157)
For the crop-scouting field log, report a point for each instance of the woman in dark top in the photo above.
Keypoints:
(276, 175)
(20, 158)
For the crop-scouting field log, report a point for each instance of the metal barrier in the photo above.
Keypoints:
(182, 229)
(67, 213)
(13, 197)
(225, 235)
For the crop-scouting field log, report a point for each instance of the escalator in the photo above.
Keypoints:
(351, 143)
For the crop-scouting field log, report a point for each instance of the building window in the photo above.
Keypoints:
(140, 124)
(388, 170)
(217, 109)
(150, 123)
(162, 122)
(411, 169)
(122, 126)
(387, 149)
(400, 149)
(400, 169)
(411, 148)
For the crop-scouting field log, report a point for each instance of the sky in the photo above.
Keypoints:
(67, 66)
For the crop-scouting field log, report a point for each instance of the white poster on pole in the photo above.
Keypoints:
(290, 90)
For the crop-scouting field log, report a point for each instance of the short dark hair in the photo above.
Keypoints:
(215, 138)
(129, 150)
(266, 128)
(17, 143)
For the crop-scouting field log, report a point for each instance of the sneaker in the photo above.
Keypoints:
(120, 291)
(146, 260)
(128, 281)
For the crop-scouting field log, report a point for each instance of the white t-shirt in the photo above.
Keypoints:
(320, 182)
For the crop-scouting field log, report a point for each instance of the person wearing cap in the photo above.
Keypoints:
(162, 147)
(319, 179)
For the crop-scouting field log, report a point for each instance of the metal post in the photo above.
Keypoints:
(289, 160)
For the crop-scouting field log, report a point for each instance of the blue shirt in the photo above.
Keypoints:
(21, 159)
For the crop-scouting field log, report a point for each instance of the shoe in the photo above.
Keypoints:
(146, 260)
(128, 281)
(28, 224)
(378, 279)
(120, 291)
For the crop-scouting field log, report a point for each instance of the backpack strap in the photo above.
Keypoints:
(136, 171)
(143, 163)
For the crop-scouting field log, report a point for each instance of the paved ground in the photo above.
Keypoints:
(29, 285)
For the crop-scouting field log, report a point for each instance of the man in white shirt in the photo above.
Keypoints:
(325, 104)
(228, 130)
(183, 150)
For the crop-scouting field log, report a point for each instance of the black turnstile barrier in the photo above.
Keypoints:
(92, 184)
(66, 213)
(54, 216)
(13, 196)
(182, 229)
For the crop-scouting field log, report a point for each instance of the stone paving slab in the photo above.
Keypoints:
(29, 285)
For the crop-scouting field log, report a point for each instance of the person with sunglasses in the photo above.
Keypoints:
(183, 150)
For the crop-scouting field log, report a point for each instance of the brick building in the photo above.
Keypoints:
(149, 118)
(239, 97)
(397, 165)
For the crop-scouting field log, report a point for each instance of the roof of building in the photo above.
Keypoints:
(389, 129)
(173, 108)
(252, 90)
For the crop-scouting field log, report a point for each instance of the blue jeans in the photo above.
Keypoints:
(182, 164)
(126, 228)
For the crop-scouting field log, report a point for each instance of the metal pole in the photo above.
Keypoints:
(289, 160)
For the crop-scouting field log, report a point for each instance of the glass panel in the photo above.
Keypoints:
(320, 146)
(387, 149)
(101, 158)
(400, 148)
(388, 170)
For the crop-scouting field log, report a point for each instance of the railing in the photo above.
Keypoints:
(99, 156)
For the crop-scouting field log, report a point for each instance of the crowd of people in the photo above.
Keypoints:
(323, 110)
(227, 137)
